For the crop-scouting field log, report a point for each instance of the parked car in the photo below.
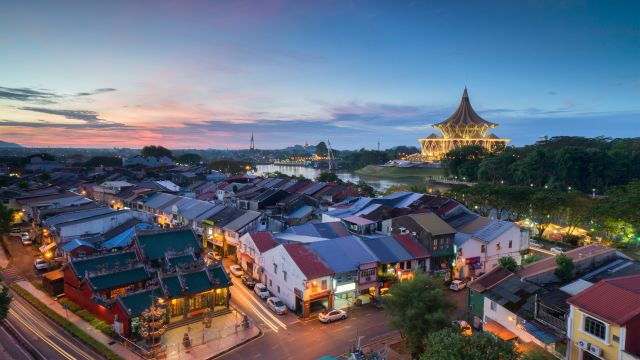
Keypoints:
(558, 250)
(248, 281)
(261, 290)
(331, 316)
(41, 264)
(276, 305)
(535, 243)
(26, 238)
(213, 255)
(457, 285)
(465, 328)
(236, 270)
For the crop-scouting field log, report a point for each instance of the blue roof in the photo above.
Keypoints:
(301, 212)
(343, 254)
(330, 230)
(461, 238)
(387, 249)
(492, 230)
(121, 240)
(74, 244)
(540, 334)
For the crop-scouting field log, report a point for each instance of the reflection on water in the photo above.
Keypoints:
(310, 173)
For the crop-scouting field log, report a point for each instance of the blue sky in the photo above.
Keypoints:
(189, 74)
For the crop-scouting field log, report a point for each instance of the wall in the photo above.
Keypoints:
(295, 278)
(609, 351)
(472, 248)
(96, 226)
(507, 319)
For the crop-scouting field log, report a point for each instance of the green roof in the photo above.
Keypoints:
(154, 246)
(173, 286)
(81, 265)
(179, 260)
(117, 279)
(197, 282)
(139, 302)
(221, 277)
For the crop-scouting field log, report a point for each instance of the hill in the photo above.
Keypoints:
(385, 172)
(5, 144)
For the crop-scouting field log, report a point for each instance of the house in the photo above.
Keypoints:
(354, 266)
(251, 249)
(224, 228)
(92, 226)
(395, 262)
(153, 247)
(605, 320)
(432, 232)
(296, 275)
(480, 251)
(312, 232)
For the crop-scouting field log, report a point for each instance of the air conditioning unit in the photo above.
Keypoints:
(582, 344)
(595, 350)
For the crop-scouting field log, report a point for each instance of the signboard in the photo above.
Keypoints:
(345, 287)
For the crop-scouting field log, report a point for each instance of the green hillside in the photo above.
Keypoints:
(384, 172)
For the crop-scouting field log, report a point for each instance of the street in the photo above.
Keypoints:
(288, 337)
(21, 265)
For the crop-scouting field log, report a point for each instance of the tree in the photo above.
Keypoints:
(228, 166)
(103, 161)
(532, 258)
(5, 301)
(365, 189)
(449, 344)
(6, 218)
(321, 149)
(564, 272)
(464, 161)
(546, 207)
(190, 159)
(418, 307)
(328, 177)
(156, 151)
(508, 263)
(44, 177)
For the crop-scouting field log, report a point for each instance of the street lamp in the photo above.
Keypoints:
(593, 193)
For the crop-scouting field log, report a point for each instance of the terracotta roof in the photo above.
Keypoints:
(487, 281)
(615, 300)
(263, 240)
(307, 261)
(412, 246)
(578, 255)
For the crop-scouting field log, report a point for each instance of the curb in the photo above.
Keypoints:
(259, 334)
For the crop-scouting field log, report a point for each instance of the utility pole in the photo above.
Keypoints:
(330, 155)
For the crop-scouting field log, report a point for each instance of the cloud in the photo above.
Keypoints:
(90, 119)
(27, 94)
(551, 93)
(96, 92)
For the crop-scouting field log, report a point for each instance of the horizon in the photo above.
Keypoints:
(205, 75)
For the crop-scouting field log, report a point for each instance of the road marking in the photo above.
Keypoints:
(258, 313)
(266, 310)
(23, 339)
(41, 335)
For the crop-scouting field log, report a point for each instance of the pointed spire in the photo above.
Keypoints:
(464, 94)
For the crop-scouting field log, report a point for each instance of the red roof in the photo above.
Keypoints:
(492, 278)
(614, 300)
(263, 240)
(578, 255)
(308, 262)
(412, 246)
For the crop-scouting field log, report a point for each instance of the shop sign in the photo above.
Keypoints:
(345, 287)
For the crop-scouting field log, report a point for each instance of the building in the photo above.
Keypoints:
(463, 127)
(605, 320)
(296, 275)
(250, 252)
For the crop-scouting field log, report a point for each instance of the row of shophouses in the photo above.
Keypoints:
(593, 316)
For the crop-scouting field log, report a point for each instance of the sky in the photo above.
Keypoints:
(206, 74)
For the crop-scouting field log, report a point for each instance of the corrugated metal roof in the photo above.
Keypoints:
(243, 220)
(343, 254)
(614, 300)
(263, 240)
(417, 250)
(432, 223)
(492, 230)
(76, 215)
(307, 261)
(387, 249)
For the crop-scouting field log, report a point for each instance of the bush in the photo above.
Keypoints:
(74, 330)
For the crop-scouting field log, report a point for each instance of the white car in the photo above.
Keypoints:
(261, 290)
(457, 285)
(236, 270)
(26, 238)
(331, 316)
(41, 264)
(558, 250)
(535, 243)
(276, 305)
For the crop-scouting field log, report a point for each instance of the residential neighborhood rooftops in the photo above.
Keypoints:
(515, 295)
(155, 245)
(76, 215)
(329, 230)
(343, 254)
(307, 261)
(417, 250)
(577, 255)
(263, 240)
(387, 249)
(614, 300)
(432, 223)
(492, 230)
(490, 279)
(243, 220)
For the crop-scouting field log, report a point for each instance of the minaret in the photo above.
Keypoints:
(252, 146)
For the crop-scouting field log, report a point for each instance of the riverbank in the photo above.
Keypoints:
(399, 173)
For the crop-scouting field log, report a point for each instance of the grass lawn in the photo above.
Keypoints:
(399, 173)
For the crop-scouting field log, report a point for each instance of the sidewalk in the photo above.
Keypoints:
(77, 321)
(208, 343)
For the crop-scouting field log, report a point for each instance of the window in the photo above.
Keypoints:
(435, 244)
(483, 248)
(270, 283)
(595, 327)
(278, 289)
(498, 247)
(284, 273)
(323, 285)
(275, 268)
(510, 244)
(494, 306)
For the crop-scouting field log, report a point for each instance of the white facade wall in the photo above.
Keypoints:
(507, 319)
(274, 280)
(247, 246)
(329, 218)
(94, 226)
(489, 259)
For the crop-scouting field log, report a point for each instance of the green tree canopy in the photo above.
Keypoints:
(328, 177)
(190, 159)
(156, 151)
(564, 272)
(449, 344)
(5, 301)
(418, 307)
(229, 166)
(321, 149)
(464, 161)
(508, 263)
(6, 218)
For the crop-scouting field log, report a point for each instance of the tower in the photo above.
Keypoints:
(252, 145)
(330, 155)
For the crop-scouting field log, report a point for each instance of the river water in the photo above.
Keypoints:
(379, 185)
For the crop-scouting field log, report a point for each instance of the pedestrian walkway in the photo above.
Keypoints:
(77, 321)
(11, 274)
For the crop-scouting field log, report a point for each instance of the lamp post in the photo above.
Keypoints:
(593, 193)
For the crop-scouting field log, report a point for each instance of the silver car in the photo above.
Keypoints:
(276, 305)
(331, 316)
(261, 290)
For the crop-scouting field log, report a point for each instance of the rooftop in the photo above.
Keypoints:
(578, 255)
(307, 261)
(614, 300)
(104, 261)
(154, 245)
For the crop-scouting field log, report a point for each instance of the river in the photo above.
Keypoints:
(379, 185)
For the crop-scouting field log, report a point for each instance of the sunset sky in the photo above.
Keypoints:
(205, 74)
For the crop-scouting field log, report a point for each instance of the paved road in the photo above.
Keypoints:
(21, 264)
(287, 337)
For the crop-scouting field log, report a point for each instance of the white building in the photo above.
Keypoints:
(297, 276)
(251, 251)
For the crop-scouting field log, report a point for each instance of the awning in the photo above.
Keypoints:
(498, 330)
(540, 334)
(47, 247)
